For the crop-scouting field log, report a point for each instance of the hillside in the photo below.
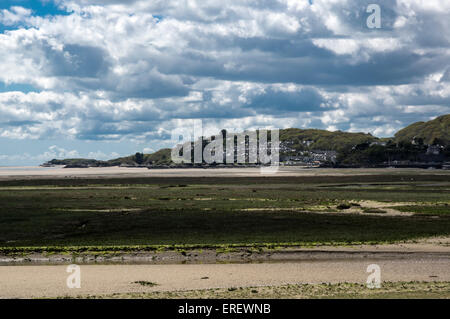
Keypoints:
(293, 139)
(161, 157)
(73, 162)
(352, 148)
(313, 139)
(437, 130)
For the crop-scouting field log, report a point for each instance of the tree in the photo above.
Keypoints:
(139, 158)
(437, 141)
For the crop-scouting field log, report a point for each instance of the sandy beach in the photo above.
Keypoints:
(427, 260)
(36, 172)
(50, 281)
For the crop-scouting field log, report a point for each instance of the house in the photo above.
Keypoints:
(434, 150)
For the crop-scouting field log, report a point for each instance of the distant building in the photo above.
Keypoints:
(417, 141)
(378, 143)
(314, 157)
(434, 150)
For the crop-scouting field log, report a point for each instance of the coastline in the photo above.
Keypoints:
(438, 247)
(27, 173)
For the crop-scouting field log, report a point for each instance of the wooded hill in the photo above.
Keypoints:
(348, 145)
(436, 131)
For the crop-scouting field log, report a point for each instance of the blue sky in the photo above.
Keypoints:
(39, 7)
(107, 78)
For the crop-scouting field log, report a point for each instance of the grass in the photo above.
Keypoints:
(209, 228)
(116, 215)
(406, 290)
(146, 283)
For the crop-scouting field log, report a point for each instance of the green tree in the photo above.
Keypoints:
(139, 158)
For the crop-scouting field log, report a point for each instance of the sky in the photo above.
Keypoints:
(108, 78)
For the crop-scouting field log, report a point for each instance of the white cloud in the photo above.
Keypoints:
(14, 15)
(54, 152)
(132, 70)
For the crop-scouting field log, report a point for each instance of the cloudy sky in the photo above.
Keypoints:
(104, 78)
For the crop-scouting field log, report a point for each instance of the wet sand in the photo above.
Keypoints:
(11, 173)
(435, 247)
(50, 281)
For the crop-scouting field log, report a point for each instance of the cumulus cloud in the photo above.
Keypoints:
(133, 70)
(14, 15)
(53, 152)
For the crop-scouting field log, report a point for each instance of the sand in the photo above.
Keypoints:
(50, 281)
(8, 173)
(419, 249)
